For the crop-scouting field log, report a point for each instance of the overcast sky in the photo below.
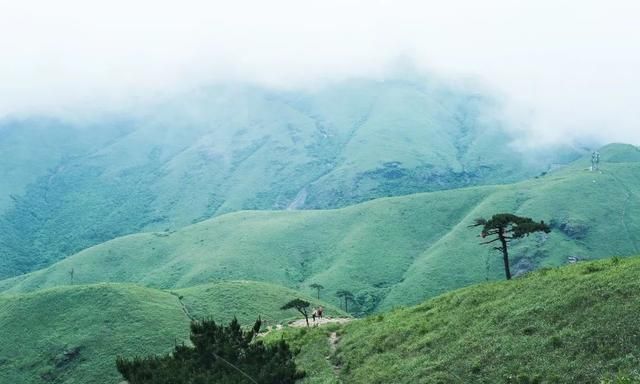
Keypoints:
(565, 68)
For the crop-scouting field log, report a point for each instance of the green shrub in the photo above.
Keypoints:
(221, 354)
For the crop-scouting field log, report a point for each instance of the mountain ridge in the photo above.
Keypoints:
(388, 251)
(224, 149)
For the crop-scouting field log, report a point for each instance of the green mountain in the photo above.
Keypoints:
(72, 334)
(388, 252)
(71, 184)
(562, 325)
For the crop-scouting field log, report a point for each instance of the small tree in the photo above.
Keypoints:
(506, 227)
(317, 287)
(300, 306)
(346, 295)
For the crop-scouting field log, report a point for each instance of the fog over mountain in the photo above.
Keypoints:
(357, 175)
(562, 70)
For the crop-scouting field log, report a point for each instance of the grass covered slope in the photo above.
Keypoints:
(34, 147)
(246, 300)
(73, 334)
(592, 215)
(72, 185)
(364, 248)
(389, 251)
(577, 323)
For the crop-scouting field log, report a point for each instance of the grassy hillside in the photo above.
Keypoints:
(246, 300)
(72, 334)
(219, 150)
(389, 251)
(573, 324)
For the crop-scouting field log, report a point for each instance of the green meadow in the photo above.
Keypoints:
(388, 252)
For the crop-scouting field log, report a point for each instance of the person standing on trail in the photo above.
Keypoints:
(314, 314)
(320, 310)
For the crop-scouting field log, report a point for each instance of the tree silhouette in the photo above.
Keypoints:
(317, 287)
(506, 227)
(219, 354)
(346, 295)
(299, 305)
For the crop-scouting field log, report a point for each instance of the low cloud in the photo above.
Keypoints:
(565, 70)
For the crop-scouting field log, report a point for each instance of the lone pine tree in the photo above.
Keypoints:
(506, 227)
(318, 288)
(300, 306)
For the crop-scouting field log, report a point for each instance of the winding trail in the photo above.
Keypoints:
(333, 339)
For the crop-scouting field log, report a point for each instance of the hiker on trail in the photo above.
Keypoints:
(314, 314)
(319, 311)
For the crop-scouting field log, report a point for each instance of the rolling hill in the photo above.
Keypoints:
(388, 252)
(577, 323)
(74, 183)
(72, 334)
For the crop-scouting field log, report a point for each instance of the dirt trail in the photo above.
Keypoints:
(333, 338)
(333, 341)
(320, 322)
(333, 345)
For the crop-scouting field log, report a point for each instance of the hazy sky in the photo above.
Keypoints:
(565, 68)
